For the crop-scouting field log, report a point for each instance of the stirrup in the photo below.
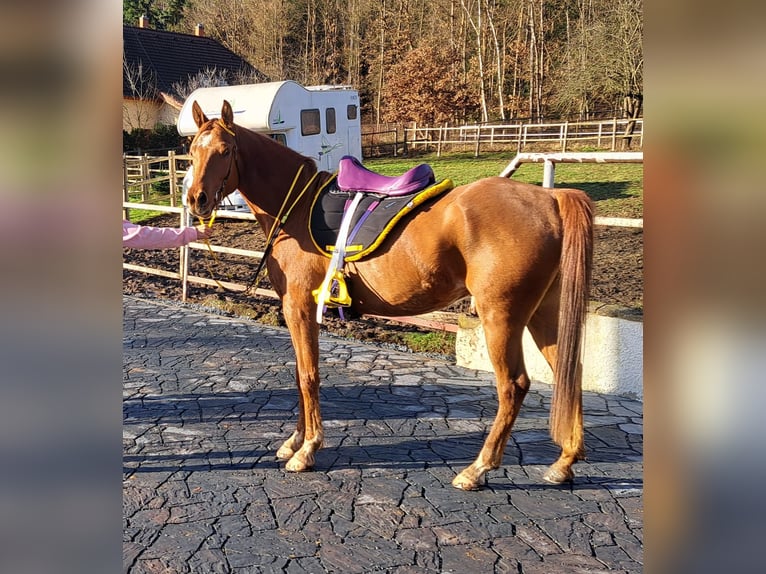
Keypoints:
(336, 292)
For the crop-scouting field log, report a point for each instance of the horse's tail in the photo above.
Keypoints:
(576, 210)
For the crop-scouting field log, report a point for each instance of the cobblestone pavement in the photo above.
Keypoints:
(208, 399)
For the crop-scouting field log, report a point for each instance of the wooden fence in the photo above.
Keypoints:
(613, 135)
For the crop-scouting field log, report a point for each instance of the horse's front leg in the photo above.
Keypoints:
(292, 444)
(299, 449)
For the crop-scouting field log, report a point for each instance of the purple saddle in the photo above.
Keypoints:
(353, 176)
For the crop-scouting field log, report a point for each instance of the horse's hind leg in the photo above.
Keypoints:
(543, 326)
(503, 337)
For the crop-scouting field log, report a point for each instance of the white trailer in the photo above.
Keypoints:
(320, 122)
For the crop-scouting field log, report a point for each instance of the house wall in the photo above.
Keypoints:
(146, 114)
(167, 115)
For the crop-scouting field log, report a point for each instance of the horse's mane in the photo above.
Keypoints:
(280, 153)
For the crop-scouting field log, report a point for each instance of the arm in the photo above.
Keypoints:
(147, 237)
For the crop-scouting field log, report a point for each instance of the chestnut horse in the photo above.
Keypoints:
(522, 251)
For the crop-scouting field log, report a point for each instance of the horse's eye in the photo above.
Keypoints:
(226, 151)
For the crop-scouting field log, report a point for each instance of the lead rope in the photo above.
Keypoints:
(213, 254)
(279, 221)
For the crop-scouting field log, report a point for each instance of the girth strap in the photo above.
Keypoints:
(323, 295)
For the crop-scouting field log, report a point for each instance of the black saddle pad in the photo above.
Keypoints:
(375, 216)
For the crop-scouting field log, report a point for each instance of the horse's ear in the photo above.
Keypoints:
(198, 115)
(227, 115)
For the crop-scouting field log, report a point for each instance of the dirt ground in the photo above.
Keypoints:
(617, 279)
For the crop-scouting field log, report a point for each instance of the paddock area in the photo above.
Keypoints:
(208, 399)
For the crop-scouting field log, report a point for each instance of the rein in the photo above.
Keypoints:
(279, 221)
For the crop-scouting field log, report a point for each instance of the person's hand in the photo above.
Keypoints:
(203, 231)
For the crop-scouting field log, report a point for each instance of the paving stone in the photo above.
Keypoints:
(211, 560)
(178, 540)
(208, 400)
(513, 550)
(383, 520)
(309, 565)
(468, 558)
(459, 534)
(419, 539)
(362, 554)
(576, 564)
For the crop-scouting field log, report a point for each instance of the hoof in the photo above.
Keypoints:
(557, 476)
(297, 464)
(285, 453)
(464, 483)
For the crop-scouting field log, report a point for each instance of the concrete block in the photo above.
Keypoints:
(612, 360)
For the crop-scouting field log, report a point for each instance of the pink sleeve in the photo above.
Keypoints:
(146, 237)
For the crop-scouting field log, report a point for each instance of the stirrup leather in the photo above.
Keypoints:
(333, 290)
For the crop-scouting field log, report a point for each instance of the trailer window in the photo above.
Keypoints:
(309, 122)
(351, 112)
(280, 138)
(329, 120)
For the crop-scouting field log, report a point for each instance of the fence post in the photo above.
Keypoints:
(125, 196)
(396, 138)
(614, 134)
(439, 143)
(184, 263)
(564, 134)
(172, 176)
(549, 173)
(478, 138)
(600, 124)
(144, 177)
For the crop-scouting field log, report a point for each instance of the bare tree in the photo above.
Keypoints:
(603, 63)
(476, 25)
(520, 57)
(537, 57)
(490, 11)
(213, 77)
(139, 110)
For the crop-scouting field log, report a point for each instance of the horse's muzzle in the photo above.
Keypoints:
(200, 204)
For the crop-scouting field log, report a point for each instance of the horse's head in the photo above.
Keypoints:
(214, 157)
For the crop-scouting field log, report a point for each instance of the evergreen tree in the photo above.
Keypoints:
(162, 14)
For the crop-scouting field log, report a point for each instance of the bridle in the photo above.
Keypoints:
(220, 192)
(219, 195)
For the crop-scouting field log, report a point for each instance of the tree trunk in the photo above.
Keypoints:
(632, 103)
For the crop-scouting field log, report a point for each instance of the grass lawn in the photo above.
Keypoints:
(617, 189)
